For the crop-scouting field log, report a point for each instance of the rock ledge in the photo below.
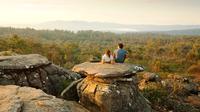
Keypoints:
(110, 88)
(26, 99)
(22, 61)
(105, 70)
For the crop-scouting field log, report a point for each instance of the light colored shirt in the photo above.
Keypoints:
(106, 58)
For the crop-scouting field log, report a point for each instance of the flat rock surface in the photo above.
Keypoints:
(25, 99)
(105, 70)
(35, 71)
(22, 61)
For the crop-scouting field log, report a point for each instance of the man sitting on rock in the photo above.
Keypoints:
(120, 54)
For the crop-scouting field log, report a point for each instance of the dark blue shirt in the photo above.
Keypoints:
(120, 55)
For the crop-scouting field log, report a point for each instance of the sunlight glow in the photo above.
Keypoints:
(117, 11)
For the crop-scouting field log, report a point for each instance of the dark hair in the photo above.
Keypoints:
(108, 52)
(120, 45)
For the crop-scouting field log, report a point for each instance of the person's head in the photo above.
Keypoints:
(108, 52)
(120, 45)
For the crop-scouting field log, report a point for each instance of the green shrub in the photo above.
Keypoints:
(155, 95)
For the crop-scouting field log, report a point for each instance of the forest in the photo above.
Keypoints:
(172, 59)
(157, 52)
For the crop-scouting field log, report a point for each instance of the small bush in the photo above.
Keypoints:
(194, 69)
(155, 95)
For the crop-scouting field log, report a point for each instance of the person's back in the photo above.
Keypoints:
(120, 54)
(107, 57)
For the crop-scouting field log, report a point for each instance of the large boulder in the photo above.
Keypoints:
(35, 71)
(25, 99)
(22, 61)
(105, 70)
(110, 88)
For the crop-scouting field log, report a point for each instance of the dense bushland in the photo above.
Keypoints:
(157, 52)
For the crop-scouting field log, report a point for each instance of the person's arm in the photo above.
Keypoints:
(114, 54)
(126, 55)
(103, 59)
(112, 59)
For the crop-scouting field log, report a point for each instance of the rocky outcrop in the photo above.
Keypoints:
(110, 88)
(173, 89)
(152, 77)
(35, 71)
(173, 83)
(105, 70)
(26, 99)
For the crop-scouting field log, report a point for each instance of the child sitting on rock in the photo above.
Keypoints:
(107, 58)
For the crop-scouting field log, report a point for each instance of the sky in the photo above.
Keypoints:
(157, 12)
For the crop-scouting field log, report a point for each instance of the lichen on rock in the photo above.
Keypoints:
(110, 88)
(105, 70)
(25, 99)
(36, 71)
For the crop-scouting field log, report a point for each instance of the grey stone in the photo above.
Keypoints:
(110, 88)
(35, 71)
(105, 70)
(26, 99)
(111, 97)
(22, 61)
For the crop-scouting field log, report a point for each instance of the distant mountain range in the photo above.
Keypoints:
(117, 28)
(182, 32)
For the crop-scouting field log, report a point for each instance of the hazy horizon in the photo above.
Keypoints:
(143, 12)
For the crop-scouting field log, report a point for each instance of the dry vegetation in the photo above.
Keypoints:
(161, 54)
